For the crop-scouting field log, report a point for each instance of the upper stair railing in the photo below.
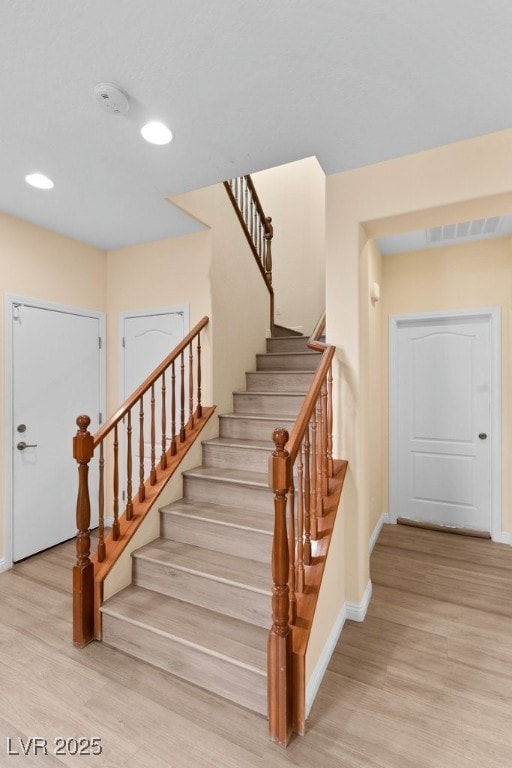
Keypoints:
(300, 474)
(257, 228)
(143, 444)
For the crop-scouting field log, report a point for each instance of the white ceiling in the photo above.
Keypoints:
(243, 84)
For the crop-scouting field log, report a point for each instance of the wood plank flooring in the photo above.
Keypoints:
(424, 682)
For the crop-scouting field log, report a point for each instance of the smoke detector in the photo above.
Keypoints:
(111, 98)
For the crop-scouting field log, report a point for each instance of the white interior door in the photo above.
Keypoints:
(442, 374)
(56, 376)
(147, 338)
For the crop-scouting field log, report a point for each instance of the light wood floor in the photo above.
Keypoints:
(425, 680)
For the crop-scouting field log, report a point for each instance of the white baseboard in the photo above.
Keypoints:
(503, 538)
(3, 565)
(354, 611)
(384, 519)
(357, 611)
(325, 657)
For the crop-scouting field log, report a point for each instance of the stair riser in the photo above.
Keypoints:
(260, 429)
(270, 405)
(221, 538)
(231, 494)
(236, 457)
(229, 599)
(289, 344)
(295, 362)
(273, 381)
(238, 684)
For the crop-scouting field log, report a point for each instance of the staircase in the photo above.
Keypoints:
(199, 606)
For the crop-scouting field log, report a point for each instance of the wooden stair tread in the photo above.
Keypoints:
(238, 571)
(258, 417)
(235, 476)
(307, 352)
(282, 372)
(273, 393)
(295, 335)
(240, 442)
(286, 333)
(223, 515)
(208, 631)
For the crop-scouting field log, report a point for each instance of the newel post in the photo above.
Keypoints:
(280, 637)
(83, 571)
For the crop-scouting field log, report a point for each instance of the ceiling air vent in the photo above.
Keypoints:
(451, 232)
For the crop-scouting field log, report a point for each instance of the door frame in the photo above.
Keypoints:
(11, 299)
(183, 309)
(493, 315)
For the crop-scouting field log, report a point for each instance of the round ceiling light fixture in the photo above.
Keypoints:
(39, 181)
(156, 133)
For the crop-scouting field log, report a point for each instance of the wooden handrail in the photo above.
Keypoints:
(90, 571)
(257, 228)
(309, 446)
(314, 340)
(153, 377)
(294, 441)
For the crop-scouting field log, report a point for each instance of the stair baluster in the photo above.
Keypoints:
(152, 474)
(329, 423)
(129, 468)
(314, 476)
(101, 508)
(142, 489)
(163, 457)
(115, 485)
(319, 459)
(173, 410)
(307, 499)
(291, 553)
(300, 574)
(182, 398)
(190, 387)
(199, 410)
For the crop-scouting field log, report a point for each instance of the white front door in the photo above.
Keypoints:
(56, 376)
(441, 423)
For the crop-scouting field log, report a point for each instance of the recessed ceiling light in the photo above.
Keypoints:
(156, 133)
(39, 180)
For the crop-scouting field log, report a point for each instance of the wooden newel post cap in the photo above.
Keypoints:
(279, 463)
(83, 448)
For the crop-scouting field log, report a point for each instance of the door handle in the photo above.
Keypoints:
(483, 435)
(22, 445)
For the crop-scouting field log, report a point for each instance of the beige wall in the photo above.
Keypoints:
(294, 196)
(454, 183)
(240, 299)
(40, 264)
(458, 277)
(160, 274)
